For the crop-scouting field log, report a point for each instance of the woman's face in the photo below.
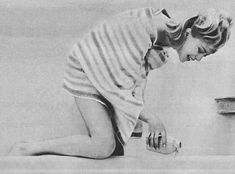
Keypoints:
(192, 49)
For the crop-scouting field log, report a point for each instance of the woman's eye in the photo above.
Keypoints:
(200, 50)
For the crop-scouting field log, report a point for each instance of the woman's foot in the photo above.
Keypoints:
(20, 149)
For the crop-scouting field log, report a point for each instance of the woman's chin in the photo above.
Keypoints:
(182, 60)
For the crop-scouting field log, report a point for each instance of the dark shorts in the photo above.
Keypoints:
(119, 150)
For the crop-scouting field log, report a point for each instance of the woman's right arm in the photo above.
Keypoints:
(157, 132)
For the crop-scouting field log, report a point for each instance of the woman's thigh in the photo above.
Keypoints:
(96, 117)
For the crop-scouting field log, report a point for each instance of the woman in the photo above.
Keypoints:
(107, 70)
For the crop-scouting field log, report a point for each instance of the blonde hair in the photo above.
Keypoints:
(213, 27)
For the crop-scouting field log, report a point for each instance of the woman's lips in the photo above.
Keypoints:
(189, 58)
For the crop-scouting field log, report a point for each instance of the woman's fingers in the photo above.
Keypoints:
(163, 139)
(159, 139)
(151, 142)
(148, 140)
(156, 139)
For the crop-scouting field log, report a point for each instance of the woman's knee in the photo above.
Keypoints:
(99, 126)
(105, 146)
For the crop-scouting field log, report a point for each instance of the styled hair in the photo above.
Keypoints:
(213, 27)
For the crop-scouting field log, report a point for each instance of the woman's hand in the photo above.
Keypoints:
(157, 133)
(157, 140)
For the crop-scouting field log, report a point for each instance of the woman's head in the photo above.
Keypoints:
(200, 35)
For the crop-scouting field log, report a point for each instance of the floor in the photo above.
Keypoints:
(33, 106)
(141, 162)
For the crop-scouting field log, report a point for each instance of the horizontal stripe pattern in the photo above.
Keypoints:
(109, 62)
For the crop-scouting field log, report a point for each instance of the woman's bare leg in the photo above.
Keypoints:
(99, 144)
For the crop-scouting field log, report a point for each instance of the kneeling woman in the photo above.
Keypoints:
(106, 74)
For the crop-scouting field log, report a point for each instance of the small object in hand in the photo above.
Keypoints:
(172, 146)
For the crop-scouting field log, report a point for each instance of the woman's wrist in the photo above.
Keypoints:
(146, 116)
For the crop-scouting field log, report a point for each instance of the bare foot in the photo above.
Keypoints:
(20, 149)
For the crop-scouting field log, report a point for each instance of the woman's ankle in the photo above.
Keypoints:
(21, 149)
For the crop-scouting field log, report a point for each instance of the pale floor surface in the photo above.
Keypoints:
(136, 160)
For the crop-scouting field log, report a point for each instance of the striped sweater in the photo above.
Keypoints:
(112, 55)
